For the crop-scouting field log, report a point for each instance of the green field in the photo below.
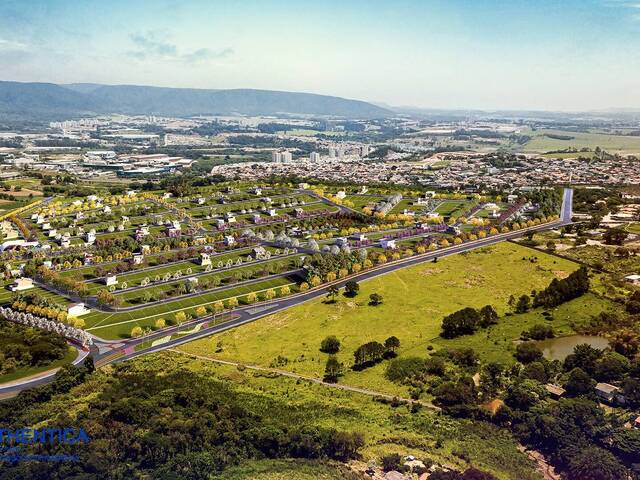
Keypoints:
(452, 209)
(415, 301)
(611, 143)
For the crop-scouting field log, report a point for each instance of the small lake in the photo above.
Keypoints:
(559, 348)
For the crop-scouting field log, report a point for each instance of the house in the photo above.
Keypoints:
(65, 242)
(341, 195)
(110, 280)
(229, 240)
(205, 259)
(609, 393)
(176, 224)
(230, 217)
(88, 259)
(199, 201)
(166, 195)
(256, 191)
(633, 279)
(77, 309)
(20, 284)
(48, 263)
(90, 236)
(106, 209)
(555, 391)
(258, 253)
(512, 198)
(53, 233)
(272, 212)
(298, 212)
(388, 244)
(341, 241)
(408, 213)
(256, 218)
(220, 222)
(359, 237)
(173, 232)
(137, 258)
(636, 422)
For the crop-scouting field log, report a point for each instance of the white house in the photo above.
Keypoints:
(137, 258)
(633, 279)
(229, 240)
(340, 241)
(272, 212)
(341, 195)
(205, 259)
(110, 280)
(77, 309)
(388, 244)
(23, 283)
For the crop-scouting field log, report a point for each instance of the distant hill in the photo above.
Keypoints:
(50, 100)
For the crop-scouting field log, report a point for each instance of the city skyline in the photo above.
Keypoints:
(456, 55)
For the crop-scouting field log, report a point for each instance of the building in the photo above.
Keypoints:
(20, 284)
(110, 280)
(609, 393)
(555, 391)
(77, 309)
(229, 240)
(205, 259)
(633, 279)
(258, 253)
(314, 157)
(388, 244)
(137, 258)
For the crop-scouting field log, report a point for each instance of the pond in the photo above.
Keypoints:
(560, 347)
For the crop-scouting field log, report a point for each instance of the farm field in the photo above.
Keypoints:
(611, 143)
(415, 301)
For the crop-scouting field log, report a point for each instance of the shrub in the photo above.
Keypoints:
(330, 344)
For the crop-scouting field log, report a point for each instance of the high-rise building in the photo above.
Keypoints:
(340, 152)
(332, 152)
(314, 157)
(286, 157)
(276, 156)
(364, 150)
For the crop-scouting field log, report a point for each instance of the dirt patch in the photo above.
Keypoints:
(427, 272)
(474, 281)
(560, 274)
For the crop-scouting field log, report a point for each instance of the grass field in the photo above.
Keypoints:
(452, 209)
(424, 434)
(415, 301)
(611, 143)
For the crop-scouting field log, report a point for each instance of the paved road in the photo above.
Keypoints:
(254, 312)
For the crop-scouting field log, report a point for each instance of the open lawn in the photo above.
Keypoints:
(451, 209)
(415, 301)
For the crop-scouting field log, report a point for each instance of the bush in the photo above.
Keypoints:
(330, 344)
(528, 352)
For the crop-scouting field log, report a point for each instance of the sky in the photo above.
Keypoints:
(565, 55)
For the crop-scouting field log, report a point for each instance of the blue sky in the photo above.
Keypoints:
(537, 54)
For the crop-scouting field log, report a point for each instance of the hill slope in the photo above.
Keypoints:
(51, 100)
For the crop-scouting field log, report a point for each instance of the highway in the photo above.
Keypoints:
(104, 352)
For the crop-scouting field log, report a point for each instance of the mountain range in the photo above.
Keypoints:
(49, 100)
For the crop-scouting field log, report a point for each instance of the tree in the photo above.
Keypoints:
(180, 317)
(462, 322)
(594, 463)
(160, 323)
(488, 316)
(611, 367)
(351, 288)
(232, 302)
(579, 383)
(615, 236)
(332, 370)
(330, 344)
(332, 292)
(551, 246)
(375, 299)
(584, 356)
(527, 352)
(391, 344)
(524, 304)
(368, 354)
(136, 331)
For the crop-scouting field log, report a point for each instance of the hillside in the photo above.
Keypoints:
(49, 100)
